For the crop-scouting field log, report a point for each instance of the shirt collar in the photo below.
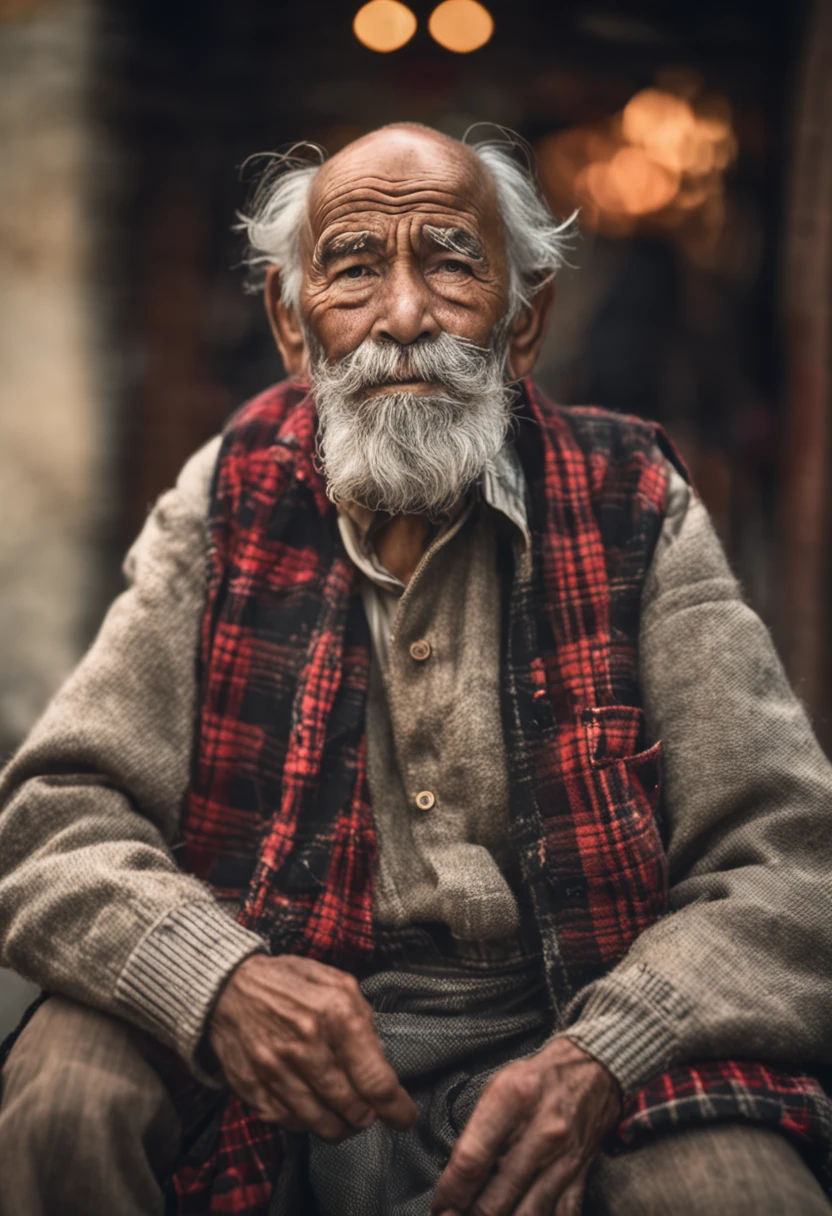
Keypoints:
(502, 487)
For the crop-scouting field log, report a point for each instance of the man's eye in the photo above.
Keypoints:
(353, 272)
(455, 267)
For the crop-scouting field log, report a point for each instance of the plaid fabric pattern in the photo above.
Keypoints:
(742, 1091)
(586, 792)
(278, 811)
(278, 814)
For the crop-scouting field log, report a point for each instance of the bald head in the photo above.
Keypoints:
(405, 153)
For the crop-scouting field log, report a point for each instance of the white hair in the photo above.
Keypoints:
(276, 219)
(535, 241)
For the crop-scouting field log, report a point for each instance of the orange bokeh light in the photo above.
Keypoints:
(664, 125)
(632, 183)
(384, 25)
(461, 25)
(659, 161)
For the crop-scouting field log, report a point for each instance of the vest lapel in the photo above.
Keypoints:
(584, 795)
(278, 809)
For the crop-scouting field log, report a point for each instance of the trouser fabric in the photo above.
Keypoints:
(88, 1127)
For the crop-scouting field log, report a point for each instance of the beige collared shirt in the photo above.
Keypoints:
(436, 757)
(501, 487)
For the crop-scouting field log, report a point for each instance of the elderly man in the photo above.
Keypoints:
(346, 854)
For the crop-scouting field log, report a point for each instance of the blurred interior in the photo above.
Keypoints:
(695, 140)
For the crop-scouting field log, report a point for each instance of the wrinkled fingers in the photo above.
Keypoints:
(559, 1189)
(306, 1109)
(327, 1079)
(519, 1169)
(359, 1052)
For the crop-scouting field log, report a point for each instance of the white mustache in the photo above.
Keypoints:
(453, 363)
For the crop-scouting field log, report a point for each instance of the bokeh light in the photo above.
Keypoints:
(629, 184)
(461, 25)
(384, 25)
(658, 162)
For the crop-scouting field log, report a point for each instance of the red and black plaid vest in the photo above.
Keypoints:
(278, 814)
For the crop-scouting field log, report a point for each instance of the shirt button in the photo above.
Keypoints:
(419, 650)
(425, 800)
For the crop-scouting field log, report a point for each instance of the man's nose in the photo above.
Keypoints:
(405, 315)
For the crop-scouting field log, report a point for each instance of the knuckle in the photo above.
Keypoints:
(466, 1164)
(330, 1131)
(339, 1009)
(506, 1077)
(519, 1084)
(553, 1132)
(356, 1020)
(306, 1026)
(351, 986)
(332, 1082)
(381, 1084)
(296, 1053)
(261, 1059)
(335, 1088)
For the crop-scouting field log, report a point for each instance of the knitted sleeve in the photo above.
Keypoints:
(742, 966)
(92, 903)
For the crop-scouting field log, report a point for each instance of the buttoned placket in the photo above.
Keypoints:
(427, 797)
(440, 850)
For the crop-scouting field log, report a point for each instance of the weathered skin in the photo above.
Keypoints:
(295, 1038)
(410, 288)
(394, 183)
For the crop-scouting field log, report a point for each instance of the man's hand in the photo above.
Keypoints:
(539, 1121)
(295, 1040)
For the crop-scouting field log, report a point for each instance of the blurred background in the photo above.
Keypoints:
(694, 138)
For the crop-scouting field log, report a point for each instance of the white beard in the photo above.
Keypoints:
(405, 452)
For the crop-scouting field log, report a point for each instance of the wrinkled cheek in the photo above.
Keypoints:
(338, 328)
(475, 318)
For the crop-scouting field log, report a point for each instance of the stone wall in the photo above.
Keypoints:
(50, 406)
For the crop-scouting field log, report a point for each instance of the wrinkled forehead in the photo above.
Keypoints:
(398, 174)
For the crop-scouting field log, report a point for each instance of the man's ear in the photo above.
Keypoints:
(528, 330)
(285, 326)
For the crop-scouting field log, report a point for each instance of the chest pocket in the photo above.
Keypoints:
(604, 856)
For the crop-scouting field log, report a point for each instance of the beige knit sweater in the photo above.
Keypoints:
(93, 905)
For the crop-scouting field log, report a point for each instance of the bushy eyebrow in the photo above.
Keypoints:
(456, 240)
(343, 245)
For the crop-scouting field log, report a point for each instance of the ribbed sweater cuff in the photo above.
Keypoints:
(173, 977)
(630, 1022)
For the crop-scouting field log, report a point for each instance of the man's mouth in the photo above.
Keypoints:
(411, 384)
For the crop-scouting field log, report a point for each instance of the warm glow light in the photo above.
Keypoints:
(384, 25)
(665, 126)
(658, 163)
(684, 142)
(630, 184)
(461, 25)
